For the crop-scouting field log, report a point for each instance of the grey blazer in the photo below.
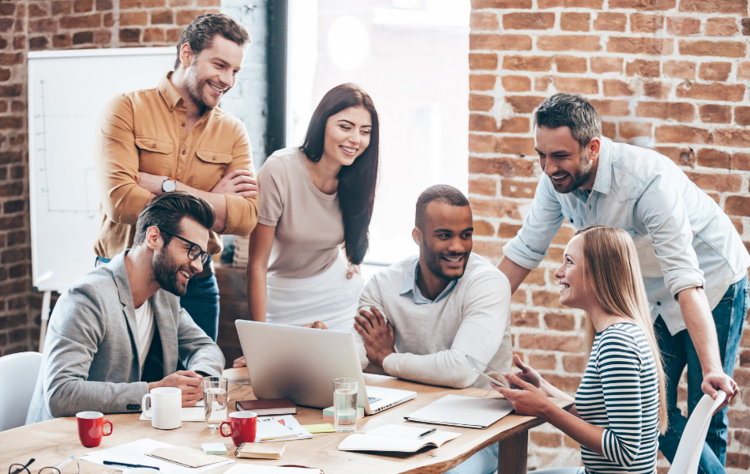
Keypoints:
(91, 355)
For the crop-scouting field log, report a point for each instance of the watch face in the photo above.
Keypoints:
(168, 186)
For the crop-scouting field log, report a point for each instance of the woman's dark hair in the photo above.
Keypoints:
(166, 212)
(356, 190)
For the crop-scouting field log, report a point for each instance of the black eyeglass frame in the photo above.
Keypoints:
(202, 254)
(18, 468)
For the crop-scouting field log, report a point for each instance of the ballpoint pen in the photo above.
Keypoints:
(116, 463)
(428, 432)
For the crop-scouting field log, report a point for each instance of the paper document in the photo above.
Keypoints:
(397, 439)
(466, 412)
(250, 469)
(280, 428)
(135, 453)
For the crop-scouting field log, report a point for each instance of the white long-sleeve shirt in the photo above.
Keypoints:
(432, 339)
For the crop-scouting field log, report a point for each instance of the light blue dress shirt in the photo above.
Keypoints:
(680, 232)
(410, 286)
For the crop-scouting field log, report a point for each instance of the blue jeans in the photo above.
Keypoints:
(201, 301)
(678, 351)
(483, 462)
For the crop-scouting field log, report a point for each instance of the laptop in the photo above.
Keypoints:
(300, 364)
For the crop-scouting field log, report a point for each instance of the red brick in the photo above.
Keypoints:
(575, 21)
(7, 9)
(484, 186)
(609, 129)
(715, 71)
(569, 43)
(732, 93)
(507, 167)
(591, 4)
(495, 208)
(641, 23)
(732, 137)
(560, 322)
(611, 108)
(681, 156)
(484, 21)
(738, 461)
(482, 61)
(536, 277)
(528, 21)
(109, 21)
(630, 130)
(7, 157)
(681, 26)
(45, 25)
(680, 69)
(714, 6)
(516, 83)
(10, 122)
(604, 64)
(565, 383)
(83, 37)
(83, 6)
(519, 4)
(745, 23)
(81, 21)
(492, 42)
(563, 235)
(725, 26)
(743, 436)
(518, 189)
(542, 83)
(102, 36)
(713, 158)
(606, 21)
(716, 182)
(641, 67)
(37, 10)
(515, 125)
(546, 440)
(728, 49)
(524, 104)
(135, 18)
(483, 144)
(576, 85)
(484, 228)
(640, 45)
(126, 4)
(65, 6)
(571, 64)
(542, 361)
(185, 17)
(743, 70)
(681, 134)
(550, 342)
(480, 103)
(482, 123)
(679, 111)
(38, 43)
(153, 35)
(508, 231)
(517, 146)
(616, 88)
(493, 251)
(742, 115)
(103, 5)
(528, 63)
(4, 74)
(61, 41)
(482, 82)
(574, 364)
(712, 113)
(646, 5)
(130, 35)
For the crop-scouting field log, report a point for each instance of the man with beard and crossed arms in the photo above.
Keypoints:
(419, 318)
(119, 331)
(693, 261)
(174, 137)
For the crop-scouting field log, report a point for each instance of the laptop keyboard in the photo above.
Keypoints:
(373, 399)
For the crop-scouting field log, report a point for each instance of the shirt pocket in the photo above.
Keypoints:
(155, 156)
(210, 168)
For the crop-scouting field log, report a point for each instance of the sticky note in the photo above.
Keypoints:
(322, 428)
(214, 448)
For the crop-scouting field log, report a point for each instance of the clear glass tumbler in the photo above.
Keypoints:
(345, 404)
(215, 401)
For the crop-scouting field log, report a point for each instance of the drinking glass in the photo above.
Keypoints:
(215, 401)
(345, 404)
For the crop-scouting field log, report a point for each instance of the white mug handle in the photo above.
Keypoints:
(146, 411)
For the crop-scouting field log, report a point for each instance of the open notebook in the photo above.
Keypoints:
(396, 439)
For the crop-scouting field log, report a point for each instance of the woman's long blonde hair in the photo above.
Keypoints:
(613, 268)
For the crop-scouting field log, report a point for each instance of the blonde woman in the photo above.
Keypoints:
(620, 406)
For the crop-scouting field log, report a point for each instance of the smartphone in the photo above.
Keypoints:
(484, 370)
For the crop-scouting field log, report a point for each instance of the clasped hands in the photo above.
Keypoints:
(377, 333)
(238, 182)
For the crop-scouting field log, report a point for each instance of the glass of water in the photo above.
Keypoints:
(215, 401)
(345, 404)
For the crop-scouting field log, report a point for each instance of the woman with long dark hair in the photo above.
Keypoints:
(313, 199)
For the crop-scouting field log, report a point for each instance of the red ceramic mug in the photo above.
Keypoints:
(242, 426)
(91, 428)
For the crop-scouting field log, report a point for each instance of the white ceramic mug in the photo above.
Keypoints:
(163, 406)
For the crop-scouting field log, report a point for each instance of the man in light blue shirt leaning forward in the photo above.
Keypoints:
(693, 261)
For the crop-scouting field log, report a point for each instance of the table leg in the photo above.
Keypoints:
(512, 454)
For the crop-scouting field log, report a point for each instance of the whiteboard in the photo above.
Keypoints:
(67, 92)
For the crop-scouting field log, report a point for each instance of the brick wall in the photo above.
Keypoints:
(34, 25)
(669, 74)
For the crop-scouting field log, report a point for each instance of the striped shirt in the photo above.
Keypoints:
(620, 393)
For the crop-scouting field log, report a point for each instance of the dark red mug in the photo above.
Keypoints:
(91, 428)
(242, 427)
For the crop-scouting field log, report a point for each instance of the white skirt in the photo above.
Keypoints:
(328, 297)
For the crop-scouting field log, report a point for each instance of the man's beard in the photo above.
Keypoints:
(193, 88)
(432, 259)
(165, 273)
(580, 176)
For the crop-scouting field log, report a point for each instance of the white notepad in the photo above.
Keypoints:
(465, 412)
(396, 439)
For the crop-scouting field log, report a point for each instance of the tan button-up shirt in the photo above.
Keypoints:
(146, 131)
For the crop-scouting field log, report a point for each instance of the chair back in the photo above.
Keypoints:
(689, 451)
(18, 373)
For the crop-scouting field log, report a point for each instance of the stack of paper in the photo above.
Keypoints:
(466, 412)
(280, 428)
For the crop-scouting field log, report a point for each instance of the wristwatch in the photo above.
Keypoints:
(168, 185)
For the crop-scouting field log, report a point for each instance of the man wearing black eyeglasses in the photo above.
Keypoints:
(119, 331)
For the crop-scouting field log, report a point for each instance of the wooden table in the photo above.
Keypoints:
(53, 441)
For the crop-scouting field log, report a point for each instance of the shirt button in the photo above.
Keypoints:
(183, 124)
(213, 158)
(153, 146)
(184, 151)
(658, 303)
